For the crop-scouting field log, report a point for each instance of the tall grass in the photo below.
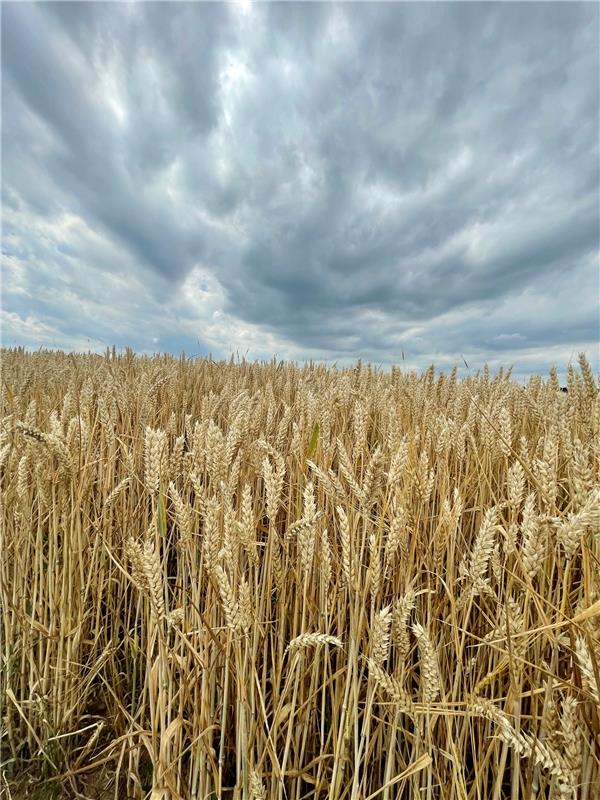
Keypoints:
(269, 581)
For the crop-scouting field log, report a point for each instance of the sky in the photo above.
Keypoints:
(402, 183)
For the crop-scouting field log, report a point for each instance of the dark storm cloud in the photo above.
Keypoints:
(324, 181)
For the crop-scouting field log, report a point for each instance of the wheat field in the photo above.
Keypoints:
(236, 580)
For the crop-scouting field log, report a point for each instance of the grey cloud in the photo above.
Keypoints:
(345, 179)
(90, 157)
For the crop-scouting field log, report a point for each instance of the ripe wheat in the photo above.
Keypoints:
(266, 581)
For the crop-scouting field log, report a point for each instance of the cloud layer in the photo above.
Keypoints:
(312, 180)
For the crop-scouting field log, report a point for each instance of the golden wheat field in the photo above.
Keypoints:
(235, 580)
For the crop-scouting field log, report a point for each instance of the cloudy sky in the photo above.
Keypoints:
(308, 180)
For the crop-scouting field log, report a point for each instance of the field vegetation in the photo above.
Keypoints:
(266, 581)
